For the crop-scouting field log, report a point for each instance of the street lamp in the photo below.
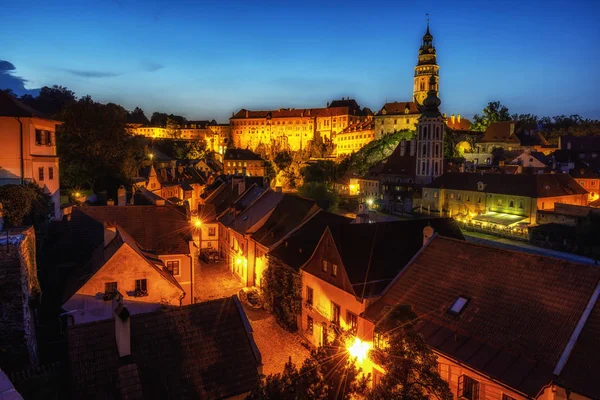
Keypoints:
(151, 156)
(358, 349)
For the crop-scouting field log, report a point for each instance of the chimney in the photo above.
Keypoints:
(458, 118)
(123, 330)
(110, 202)
(232, 114)
(110, 232)
(427, 234)
(242, 186)
(246, 113)
(402, 147)
(452, 118)
(413, 146)
(121, 196)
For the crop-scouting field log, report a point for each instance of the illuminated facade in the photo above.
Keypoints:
(354, 137)
(427, 70)
(396, 116)
(28, 148)
(293, 129)
(430, 138)
(244, 162)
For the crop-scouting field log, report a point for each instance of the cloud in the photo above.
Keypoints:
(150, 66)
(10, 81)
(91, 74)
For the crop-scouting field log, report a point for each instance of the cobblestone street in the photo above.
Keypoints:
(214, 281)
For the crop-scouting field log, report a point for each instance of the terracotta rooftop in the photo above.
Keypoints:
(520, 312)
(201, 351)
(399, 108)
(388, 245)
(289, 213)
(528, 185)
(161, 230)
(457, 124)
(400, 165)
(10, 106)
(241, 154)
(296, 249)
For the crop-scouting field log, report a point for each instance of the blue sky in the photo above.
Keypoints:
(205, 59)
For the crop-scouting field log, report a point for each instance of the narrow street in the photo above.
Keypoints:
(214, 281)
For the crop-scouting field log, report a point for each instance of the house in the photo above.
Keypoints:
(589, 179)
(499, 202)
(352, 265)
(244, 162)
(354, 137)
(290, 213)
(164, 232)
(398, 190)
(120, 269)
(28, 148)
(177, 184)
(201, 351)
(20, 294)
(503, 324)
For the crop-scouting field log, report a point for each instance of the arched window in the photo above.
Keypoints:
(437, 169)
(511, 204)
(424, 133)
(424, 153)
(423, 168)
(521, 204)
(437, 133)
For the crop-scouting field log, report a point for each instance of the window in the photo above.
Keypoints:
(212, 231)
(452, 195)
(173, 267)
(50, 173)
(41, 173)
(458, 305)
(141, 287)
(309, 295)
(507, 397)
(521, 204)
(309, 325)
(468, 388)
(352, 322)
(324, 265)
(499, 202)
(479, 200)
(334, 269)
(44, 138)
(511, 204)
(110, 288)
(335, 313)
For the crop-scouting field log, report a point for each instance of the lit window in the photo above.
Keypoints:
(468, 388)
(352, 322)
(324, 266)
(110, 288)
(334, 269)
(141, 287)
(499, 202)
(458, 305)
(309, 295)
(212, 231)
(309, 325)
(173, 267)
(335, 313)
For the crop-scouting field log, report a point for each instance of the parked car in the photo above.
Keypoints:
(209, 256)
(251, 297)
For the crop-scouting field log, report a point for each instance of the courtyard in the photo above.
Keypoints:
(214, 281)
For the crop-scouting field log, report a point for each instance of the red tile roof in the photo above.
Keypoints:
(521, 311)
(163, 230)
(201, 351)
(398, 108)
(462, 125)
(528, 185)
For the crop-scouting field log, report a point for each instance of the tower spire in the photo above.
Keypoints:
(427, 23)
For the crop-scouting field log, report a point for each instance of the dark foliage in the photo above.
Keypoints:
(282, 292)
(25, 205)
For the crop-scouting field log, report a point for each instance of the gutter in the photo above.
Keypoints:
(21, 149)
(577, 332)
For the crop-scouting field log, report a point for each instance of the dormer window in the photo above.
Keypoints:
(458, 305)
(480, 186)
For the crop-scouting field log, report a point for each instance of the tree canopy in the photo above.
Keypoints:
(326, 198)
(25, 204)
(411, 367)
(493, 112)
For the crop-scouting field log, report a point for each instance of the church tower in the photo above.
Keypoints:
(426, 69)
(430, 137)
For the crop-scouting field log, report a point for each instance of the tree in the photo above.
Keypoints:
(158, 119)
(137, 116)
(320, 171)
(95, 149)
(283, 160)
(329, 373)
(411, 367)
(25, 205)
(270, 173)
(51, 100)
(282, 293)
(318, 191)
(172, 128)
(493, 112)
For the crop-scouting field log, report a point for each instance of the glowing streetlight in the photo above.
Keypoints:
(370, 202)
(197, 222)
(77, 194)
(358, 349)
(151, 156)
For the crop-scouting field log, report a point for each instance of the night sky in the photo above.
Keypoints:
(205, 59)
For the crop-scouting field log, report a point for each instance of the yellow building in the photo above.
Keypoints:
(396, 116)
(28, 148)
(215, 136)
(293, 129)
(354, 137)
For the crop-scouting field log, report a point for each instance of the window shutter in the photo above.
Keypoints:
(461, 385)
(52, 138)
(475, 389)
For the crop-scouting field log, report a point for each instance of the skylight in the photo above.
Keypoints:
(459, 305)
